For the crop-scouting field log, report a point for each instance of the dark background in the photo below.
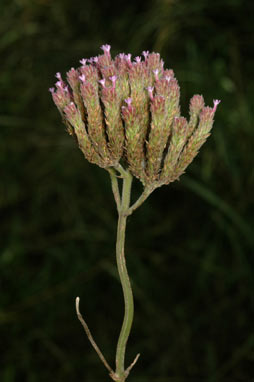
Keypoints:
(189, 247)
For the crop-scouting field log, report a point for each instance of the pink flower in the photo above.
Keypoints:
(156, 74)
(150, 91)
(128, 101)
(215, 104)
(83, 61)
(82, 78)
(145, 54)
(102, 82)
(92, 60)
(137, 59)
(106, 48)
(128, 57)
(113, 79)
(59, 84)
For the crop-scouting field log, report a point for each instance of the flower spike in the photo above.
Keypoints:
(130, 111)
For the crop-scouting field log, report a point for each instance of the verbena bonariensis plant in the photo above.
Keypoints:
(125, 116)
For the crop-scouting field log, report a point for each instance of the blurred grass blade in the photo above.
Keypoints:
(221, 205)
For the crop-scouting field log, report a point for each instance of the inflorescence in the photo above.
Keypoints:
(128, 110)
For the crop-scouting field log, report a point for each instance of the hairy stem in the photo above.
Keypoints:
(124, 278)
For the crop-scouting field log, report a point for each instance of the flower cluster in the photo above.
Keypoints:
(128, 110)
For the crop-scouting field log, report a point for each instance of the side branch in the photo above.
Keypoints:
(141, 199)
(127, 371)
(90, 337)
(115, 188)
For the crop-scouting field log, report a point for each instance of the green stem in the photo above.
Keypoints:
(115, 188)
(147, 191)
(124, 278)
(124, 210)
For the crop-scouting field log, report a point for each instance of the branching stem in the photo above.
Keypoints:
(124, 210)
(115, 188)
(124, 278)
(90, 337)
(147, 191)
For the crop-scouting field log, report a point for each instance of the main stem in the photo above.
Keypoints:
(124, 278)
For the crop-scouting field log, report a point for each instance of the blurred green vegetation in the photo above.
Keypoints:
(191, 263)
